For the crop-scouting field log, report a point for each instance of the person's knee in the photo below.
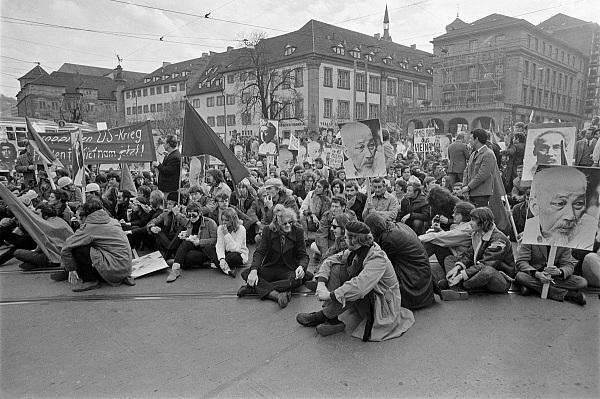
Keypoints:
(523, 278)
(579, 283)
(449, 263)
(488, 271)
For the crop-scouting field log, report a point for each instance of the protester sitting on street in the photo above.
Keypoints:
(144, 191)
(166, 227)
(123, 200)
(98, 250)
(58, 231)
(138, 232)
(14, 233)
(488, 263)
(280, 261)
(409, 259)
(442, 203)
(217, 185)
(364, 279)
(58, 200)
(195, 244)
(109, 200)
(316, 203)
(534, 272)
(74, 193)
(231, 246)
(381, 201)
(355, 200)
(222, 204)
(138, 215)
(301, 190)
(417, 213)
(454, 242)
(276, 194)
(325, 237)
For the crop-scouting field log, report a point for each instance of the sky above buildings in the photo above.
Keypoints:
(144, 33)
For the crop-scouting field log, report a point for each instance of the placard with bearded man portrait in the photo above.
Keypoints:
(564, 202)
(363, 149)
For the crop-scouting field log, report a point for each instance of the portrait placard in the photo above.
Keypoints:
(548, 144)
(363, 149)
(564, 203)
(268, 137)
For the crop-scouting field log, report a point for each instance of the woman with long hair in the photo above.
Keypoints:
(231, 242)
(337, 188)
(59, 198)
(316, 203)
(442, 203)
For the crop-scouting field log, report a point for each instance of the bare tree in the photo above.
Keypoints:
(169, 120)
(265, 88)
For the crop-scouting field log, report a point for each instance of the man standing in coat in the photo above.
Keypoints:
(477, 181)
(170, 169)
(409, 258)
(362, 278)
(458, 155)
(584, 148)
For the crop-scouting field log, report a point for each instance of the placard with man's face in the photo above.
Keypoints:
(548, 144)
(363, 149)
(268, 137)
(564, 202)
(8, 156)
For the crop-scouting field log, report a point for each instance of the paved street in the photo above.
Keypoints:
(195, 338)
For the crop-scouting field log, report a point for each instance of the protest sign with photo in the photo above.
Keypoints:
(147, 264)
(197, 170)
(268, 137)
(565, 207)
(548, 144)
(363, 149)
(8, 154)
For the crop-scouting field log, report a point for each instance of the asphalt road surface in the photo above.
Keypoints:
(195, 338)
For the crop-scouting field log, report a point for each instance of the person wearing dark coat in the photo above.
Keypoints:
(442, 203)
(515, 153)
(170, 169)
(417, 213)
(409, 258)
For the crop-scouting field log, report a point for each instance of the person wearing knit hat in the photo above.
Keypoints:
(409, 259)
(363, 278)
(93, 188)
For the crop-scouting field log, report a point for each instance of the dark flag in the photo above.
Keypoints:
(127, 180)
(40, 146)
(199, 139)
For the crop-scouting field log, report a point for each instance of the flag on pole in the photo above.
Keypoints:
(200, 139)
(496, 204)
(127, 180)
(77, 158)
(47, 234)
(40, 145)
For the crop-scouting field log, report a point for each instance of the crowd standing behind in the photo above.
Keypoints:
(372, 237)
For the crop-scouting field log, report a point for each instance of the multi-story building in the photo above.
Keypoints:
(74, 93)
(499, 70)
(586, 37)
(159, 96)
(322, 75)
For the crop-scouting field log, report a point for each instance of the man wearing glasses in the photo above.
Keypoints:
(364, 151)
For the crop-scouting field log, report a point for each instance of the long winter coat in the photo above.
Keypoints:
(110, 250)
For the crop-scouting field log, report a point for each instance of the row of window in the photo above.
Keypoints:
(165, 76)
(392, 85)
(51, 105)
(553, 52)
(343, 110)
(151, 108)
(339, 49)
(172, 88)
(549, 77)
(545, 99)
(221, 120)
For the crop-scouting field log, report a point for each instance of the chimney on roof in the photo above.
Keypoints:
(166, 64)
(413, 46)
(377, 36)
(229, 49)
(204, 55)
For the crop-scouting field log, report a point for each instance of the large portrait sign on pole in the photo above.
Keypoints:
(548, 144)
(363, 149)
(565, 207)
(268, 137)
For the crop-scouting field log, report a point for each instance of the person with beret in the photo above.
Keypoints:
(363, 279)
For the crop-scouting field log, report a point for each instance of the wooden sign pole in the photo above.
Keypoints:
(551, 257)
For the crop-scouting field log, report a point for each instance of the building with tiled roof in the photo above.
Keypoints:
(334, 75)
(499, 70)
(129, 76)
(586, 37)
(74, 96)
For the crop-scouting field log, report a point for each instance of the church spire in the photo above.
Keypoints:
(386, 26)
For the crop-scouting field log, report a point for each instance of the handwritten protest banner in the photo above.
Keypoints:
(424, 140)
(124, 144)
(336, 156)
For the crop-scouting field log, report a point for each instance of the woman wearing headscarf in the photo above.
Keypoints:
(363, 278)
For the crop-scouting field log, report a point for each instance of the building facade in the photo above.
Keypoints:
(499, 70)
(321, 75)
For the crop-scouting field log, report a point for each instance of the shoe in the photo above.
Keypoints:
(311, 285)
(283, 298)
(443, 285)
(308, 276)
(454, 295)
(576, 297)
(86, 286)
(246, 290)
(60, 276)
(231, 273)
(130, 281)
(331, 327)
(209, 264)
(524, 290)
(311, 319)
(173, 274)
(27, 266)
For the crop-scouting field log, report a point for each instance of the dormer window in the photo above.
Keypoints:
(185, 73)
(339, 49)
(403, 65)
(156, 79)
(147, 80)
(355, 53)
(387, 60)
(369, 56)
(418, 67)
(164, 77)
(289, 49)
(429, 71)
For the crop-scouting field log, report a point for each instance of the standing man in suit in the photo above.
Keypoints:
(477, 181)
(170, 169)
(584, 149)
(458, 154)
